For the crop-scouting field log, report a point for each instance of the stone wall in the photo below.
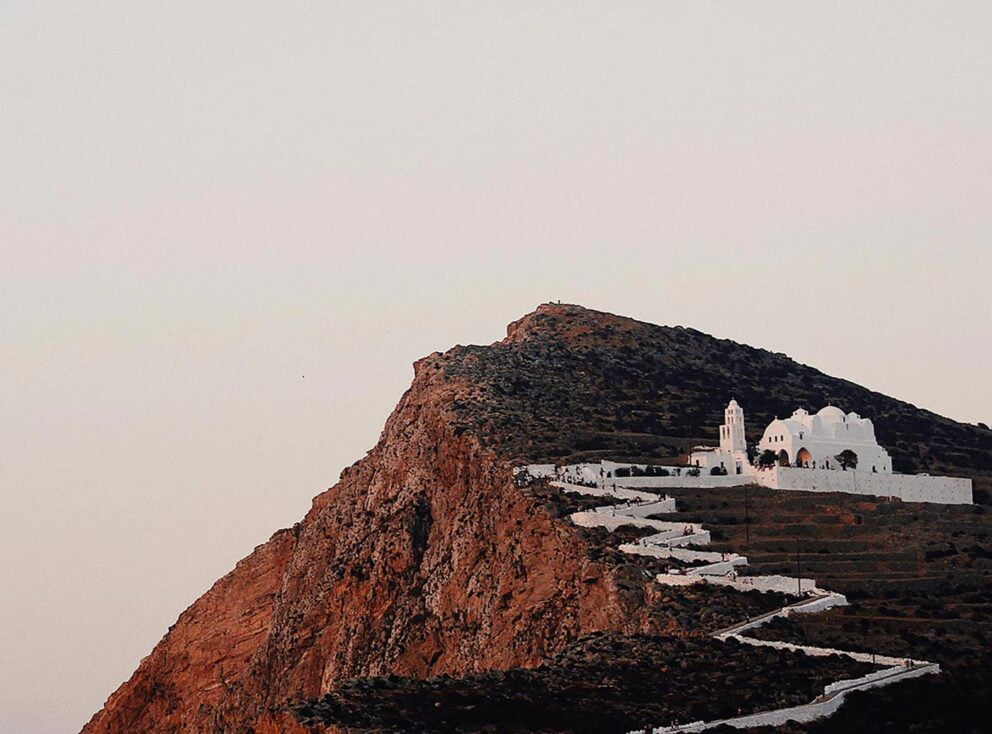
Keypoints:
(644, 509)
(703, 480)
(588, 472)
(781, 584)
(907, 487)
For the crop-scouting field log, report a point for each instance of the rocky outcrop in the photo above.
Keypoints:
(205, 653)
(423, 559)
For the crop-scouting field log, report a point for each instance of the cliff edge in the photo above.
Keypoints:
(425, 558)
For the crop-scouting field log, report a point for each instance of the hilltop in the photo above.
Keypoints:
(571, 383)
(425, 560)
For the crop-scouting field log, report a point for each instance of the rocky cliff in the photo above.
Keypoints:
(425, 558)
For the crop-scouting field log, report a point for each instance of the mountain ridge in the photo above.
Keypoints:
(700, 374)
(425, 558)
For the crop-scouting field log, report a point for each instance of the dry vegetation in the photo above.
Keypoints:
(919, 578)
(570, 382)
(602, 684)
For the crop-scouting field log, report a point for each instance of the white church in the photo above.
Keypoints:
(732, 453)
(806, 447)
(814, 441)
(802, 455)
(804, 440)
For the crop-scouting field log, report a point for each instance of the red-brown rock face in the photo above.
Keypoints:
(423, 559)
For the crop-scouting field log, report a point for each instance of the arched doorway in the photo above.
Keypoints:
(804, 458)
(783, 458)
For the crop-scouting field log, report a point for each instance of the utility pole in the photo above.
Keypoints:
(747, 520)
(799, 573)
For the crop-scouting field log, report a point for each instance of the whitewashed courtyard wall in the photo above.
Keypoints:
(907, 487)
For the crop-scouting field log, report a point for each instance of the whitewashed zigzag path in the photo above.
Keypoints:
(670, 541)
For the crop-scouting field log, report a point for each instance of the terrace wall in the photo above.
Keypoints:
(907, 487)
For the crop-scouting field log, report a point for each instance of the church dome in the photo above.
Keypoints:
(831, 414)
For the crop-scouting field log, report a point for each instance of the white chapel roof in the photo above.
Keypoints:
(831, 414)
(792, 426)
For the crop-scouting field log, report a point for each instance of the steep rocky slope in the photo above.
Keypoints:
(426, 559)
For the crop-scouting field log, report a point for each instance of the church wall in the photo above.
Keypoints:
(907, 487)
(869, 455)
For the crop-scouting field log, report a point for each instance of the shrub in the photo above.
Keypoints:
(847, 458)
(767, 458)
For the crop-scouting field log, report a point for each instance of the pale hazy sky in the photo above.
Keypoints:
(201, 202)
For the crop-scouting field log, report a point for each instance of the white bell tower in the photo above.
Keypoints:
(732, 430)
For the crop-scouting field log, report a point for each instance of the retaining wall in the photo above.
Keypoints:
(643, 509)
(591, 473)
(817, 605)
(619, 492)
(681, 554)
(782, 584)
(674, 579)
(610, 522)
(722, 568)
(702, 481)
(907, 487)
